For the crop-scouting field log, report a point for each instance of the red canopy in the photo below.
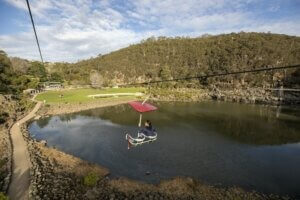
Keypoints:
(138, 106)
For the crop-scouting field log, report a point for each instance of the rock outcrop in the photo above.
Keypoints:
(239, 95)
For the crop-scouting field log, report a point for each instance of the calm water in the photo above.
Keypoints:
(251, 146)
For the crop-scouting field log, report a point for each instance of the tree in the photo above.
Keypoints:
(5, 73)
(34, 83)
(165, 74)
(37, 69)
(96, 79)
(20, 65)
(55, 76)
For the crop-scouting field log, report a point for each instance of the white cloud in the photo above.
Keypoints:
(17, 3)
(37, 7)
(284, 27)
(70, 30)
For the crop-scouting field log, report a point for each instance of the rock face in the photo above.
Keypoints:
(180, 94)
(239, 95)
(256, 96)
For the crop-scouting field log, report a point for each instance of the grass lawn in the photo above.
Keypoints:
(81, 95)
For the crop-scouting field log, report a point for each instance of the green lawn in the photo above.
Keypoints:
(81, 95)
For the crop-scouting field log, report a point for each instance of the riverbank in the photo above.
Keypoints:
(64, 108)
(70, 101)
(252, 96)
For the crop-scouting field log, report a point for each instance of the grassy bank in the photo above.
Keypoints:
(81, 95)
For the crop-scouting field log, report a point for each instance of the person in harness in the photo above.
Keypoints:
(148, 130)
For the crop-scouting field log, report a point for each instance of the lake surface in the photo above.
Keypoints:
(250, 146)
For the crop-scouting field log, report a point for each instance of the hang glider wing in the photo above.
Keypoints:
(140, 107)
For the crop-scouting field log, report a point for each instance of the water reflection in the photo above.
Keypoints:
(43, 122)
(250, 124)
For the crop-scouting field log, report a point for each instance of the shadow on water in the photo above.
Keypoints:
(251, 146)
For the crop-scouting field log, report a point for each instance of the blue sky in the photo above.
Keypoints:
(70, 30)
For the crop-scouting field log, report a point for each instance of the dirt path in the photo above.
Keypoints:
(20, 182)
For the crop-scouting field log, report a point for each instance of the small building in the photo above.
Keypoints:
(30, 91)
(52, 85)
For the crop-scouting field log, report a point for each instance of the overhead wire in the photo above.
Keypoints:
(34, 30)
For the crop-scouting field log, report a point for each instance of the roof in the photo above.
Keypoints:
(48, 82)
(29, 90)
(140, 107)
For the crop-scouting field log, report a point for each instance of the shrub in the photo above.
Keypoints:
(90, 180)
(3, 117)
(2, 162)
(3, 197)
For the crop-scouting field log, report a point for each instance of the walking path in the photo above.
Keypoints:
(20, 182)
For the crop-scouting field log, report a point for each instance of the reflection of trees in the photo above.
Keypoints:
(43, 122)
(67, 117)
(249, 124)
(121, 114)
(125, 115)
(265, 129)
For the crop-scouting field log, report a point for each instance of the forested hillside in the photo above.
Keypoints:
(166, 58)
(13, 80)
(17, 74)
(163, 58)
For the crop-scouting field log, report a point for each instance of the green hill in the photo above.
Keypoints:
(161, 58)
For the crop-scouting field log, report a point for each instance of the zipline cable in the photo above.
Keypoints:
(36, 37)
(214, 75)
